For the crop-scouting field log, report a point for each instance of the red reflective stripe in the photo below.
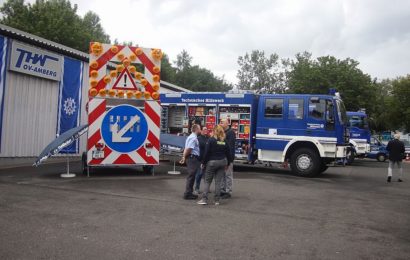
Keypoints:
(147, 63)
(124, 159)
(153, 140)
(151, 113)
(149, 88)
(106, 57)
(143, 153)
(96, 113)
(93, 140)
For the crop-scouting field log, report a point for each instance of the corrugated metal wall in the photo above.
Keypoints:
(29, 116)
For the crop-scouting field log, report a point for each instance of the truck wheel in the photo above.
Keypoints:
(323, 167)
(350, 154)
(305, 162)
(84, 163)
(381, 157)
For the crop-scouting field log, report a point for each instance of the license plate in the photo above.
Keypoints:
(98, 154)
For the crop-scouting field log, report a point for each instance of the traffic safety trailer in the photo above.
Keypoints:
(308, 132)
(123, 108)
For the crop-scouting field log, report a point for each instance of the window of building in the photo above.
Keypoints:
(295, 108)
(274, 107)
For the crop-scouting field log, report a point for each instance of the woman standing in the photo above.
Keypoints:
(216, 158)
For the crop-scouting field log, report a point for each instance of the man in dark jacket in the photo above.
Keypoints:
(396, 153)
(227, 181)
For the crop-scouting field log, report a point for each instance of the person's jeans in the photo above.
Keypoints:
(214, 169)
(193, 164)
(227, 180)
(198, 178)
(391, 166)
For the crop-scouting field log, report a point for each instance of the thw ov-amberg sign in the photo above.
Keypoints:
(36, 62)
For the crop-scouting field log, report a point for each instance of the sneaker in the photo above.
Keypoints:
(190, 197)
(400, 180)
(389, 179)
(226, 196)
(202, 202)
(216, 203)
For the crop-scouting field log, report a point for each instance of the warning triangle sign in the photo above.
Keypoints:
(125, 81)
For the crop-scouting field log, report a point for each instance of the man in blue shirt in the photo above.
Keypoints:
(191, 157)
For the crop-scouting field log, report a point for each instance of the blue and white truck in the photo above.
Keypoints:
(359, 135)
(308, 132)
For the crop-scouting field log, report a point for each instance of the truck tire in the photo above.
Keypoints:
(381, 157)
(305, 162)
(323, 167)
(350, 155)
(84, 163)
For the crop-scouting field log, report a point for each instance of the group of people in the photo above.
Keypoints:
(211, 156)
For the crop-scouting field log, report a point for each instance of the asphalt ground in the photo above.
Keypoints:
(347, 213)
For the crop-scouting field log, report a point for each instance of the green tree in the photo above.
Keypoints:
(196, 78)
(261, 73)
(317, 76)
(55, 20)
(400, 103)
(167, 71)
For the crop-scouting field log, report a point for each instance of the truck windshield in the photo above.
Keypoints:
(358, 121)
(341, 111)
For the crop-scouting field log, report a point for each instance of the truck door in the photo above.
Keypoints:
(321, 117)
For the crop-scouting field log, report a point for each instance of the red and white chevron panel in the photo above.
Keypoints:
(105, 58)
(147, 154)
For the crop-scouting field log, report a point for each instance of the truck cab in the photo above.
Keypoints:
(359, 135)
(307, 131)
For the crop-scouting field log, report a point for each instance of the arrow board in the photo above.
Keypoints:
(124, 128)
(125, 81)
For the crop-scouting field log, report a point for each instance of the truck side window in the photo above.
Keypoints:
(274, 107)
(295, 108)
(317, 108)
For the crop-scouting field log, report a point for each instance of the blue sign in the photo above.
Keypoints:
(124, 128)
(30, 60)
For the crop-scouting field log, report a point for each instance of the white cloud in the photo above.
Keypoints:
(216, 32)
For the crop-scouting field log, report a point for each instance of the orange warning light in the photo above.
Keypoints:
(147, 95)
(138, 94)
(94, 64)
(155, 95)
(93, 92)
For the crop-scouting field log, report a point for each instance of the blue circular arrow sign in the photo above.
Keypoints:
(124, 128)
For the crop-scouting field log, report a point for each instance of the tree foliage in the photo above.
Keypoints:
(55, 20)
(261, 73)
(190, 76)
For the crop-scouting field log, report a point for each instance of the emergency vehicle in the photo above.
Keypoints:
(359, 135)
(123, 108)
(307, 131)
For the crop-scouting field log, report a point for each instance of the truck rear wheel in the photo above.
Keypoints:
(305, 162)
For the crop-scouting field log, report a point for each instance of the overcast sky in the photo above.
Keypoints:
(215, 33)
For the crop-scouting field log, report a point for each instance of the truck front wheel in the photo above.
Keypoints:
(305, 162)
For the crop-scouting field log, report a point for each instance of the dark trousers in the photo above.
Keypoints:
(214, 169)
(193, 164)
(198, 178)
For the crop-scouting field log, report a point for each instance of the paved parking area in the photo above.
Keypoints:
(348, 213)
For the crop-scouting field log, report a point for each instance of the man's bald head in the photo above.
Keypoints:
(224, 123)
